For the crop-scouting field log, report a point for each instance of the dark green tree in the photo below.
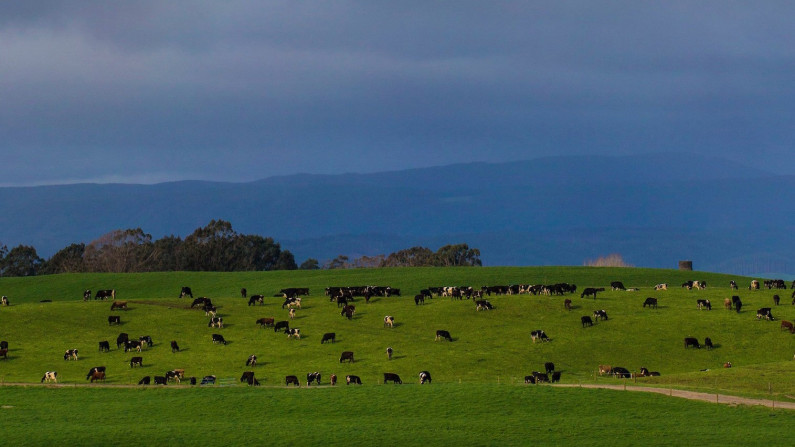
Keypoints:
(457, 255)
(22, 260)
(310, 264)
(66, 260)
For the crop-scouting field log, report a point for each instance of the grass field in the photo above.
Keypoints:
(477, 378)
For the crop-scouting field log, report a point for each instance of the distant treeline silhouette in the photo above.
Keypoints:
(215, 247)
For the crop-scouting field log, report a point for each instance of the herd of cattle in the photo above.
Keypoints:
(344, 296)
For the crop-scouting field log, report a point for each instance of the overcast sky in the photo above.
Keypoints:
(155, 91)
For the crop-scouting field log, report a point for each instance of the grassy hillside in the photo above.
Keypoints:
(489, 347)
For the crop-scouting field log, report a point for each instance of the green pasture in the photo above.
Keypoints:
(442, 414)
(489, 347)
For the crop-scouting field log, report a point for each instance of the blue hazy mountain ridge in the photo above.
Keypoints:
(653, 209)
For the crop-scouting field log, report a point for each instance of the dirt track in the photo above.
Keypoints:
(693, 395)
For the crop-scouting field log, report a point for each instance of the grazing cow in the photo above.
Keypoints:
(293, 333)
(776, 299)
(256, 299)
(687, 285)
(605, 369)
(243, 292)
(129, 345)
(97, 375)
(281, 325)
(94, 370)
(727, 304)
(114, 319)
(708, 343)
(102, 294)
(692, 342)
(443, 334)
(86, 295)
(392, 377)
(291, 379)
(586, 321)
(727, 365)
(118, 305)
(216, 322)
(353, 380)
(122, 339)
(600, 314)
(425, 376)
(787, 325)
(662, 286)
(218, 338)
(50, 376)
(145, 381)
(621, 373)
(419, 299)
(617, 285)
(291, 313)
(313, 377)
(252, 360)
(483, 305)
(265, 322)
(136, 361)
(701, 304)
(733, 284)
(555, 377)
(174, 346)
(529, 379)
(389, 320)
(651, 302)
(738, 304)
(104, 346)
(161, 380)
(146, 339)
(389, 352)
(70, 354)
(540, 377)
(172, 375)
(348, 311)
(346, 355)
(567, 304)
(754, 285)
(208, 380)
(328, 336)
(765, 313)
(591, 291)
(4, 300)
(538, 334)
(292, 302)
(644, 372)
(185, 292)
(210, 311)
(248, 376)
(201, 301)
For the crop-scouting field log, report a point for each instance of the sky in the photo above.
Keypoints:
(154, 91)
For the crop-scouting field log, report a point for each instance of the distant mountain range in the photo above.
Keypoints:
(653, 209)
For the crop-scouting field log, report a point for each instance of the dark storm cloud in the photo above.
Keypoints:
(152, 91)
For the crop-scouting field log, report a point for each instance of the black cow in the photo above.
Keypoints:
(208, 380)
(776, 299)
(218, 338)
(617, 285)
(389, 352)
(591, 291)
(701, 304)
(186, 292)
(3, 344)
(136, 361)
(95, 370)
(104, 346)
(540, 377)
(443, 334)
(419, 299)
(549, 367)
(252, 360)
(347, 311)
(346, 355)
(708, 343)
(651, 302)
(201, 301)
(529, 379)
(586, 321)
(161, 380)
(114, 319)
(256, 299)
(174, 346)
(328, 336)
(425, 376)
(738, 304)
(765, 313)
(122, 339)
(243, 292)
(392, 377)
(600, 314)
(130, 345)
(555, 377)
(145, 381)
(248, 376)
(692, 342)
(312, 377)
(193, 381)
(281, 325)
(353, 379)
(621, 373)
(102, 294)
(291, 379)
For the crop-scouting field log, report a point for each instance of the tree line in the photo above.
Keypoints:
(215, 247)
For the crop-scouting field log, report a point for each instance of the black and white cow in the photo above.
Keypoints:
(70, 354)
(252, 360)
(146, 339)
(312, 377)
(218, 338)
(389, 320)
(765, 313)
(4, 300)
(621, 373)
(352, 379)
(702, 304)
(617, 285)
(114, 319)
(443, 334)
(661, 286)
(600, 314)
(256, 299)
(733, 284)
(425, 377)
(50, 376)
(483, 305)
(86, 295)
(173, 375)
(389, 352)
(293, 333)
(392, 377)
(107, 293)
(208, 380)
(539, 335)
(130, 345)
(540, 377)
(216, 322)
(185, 292)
